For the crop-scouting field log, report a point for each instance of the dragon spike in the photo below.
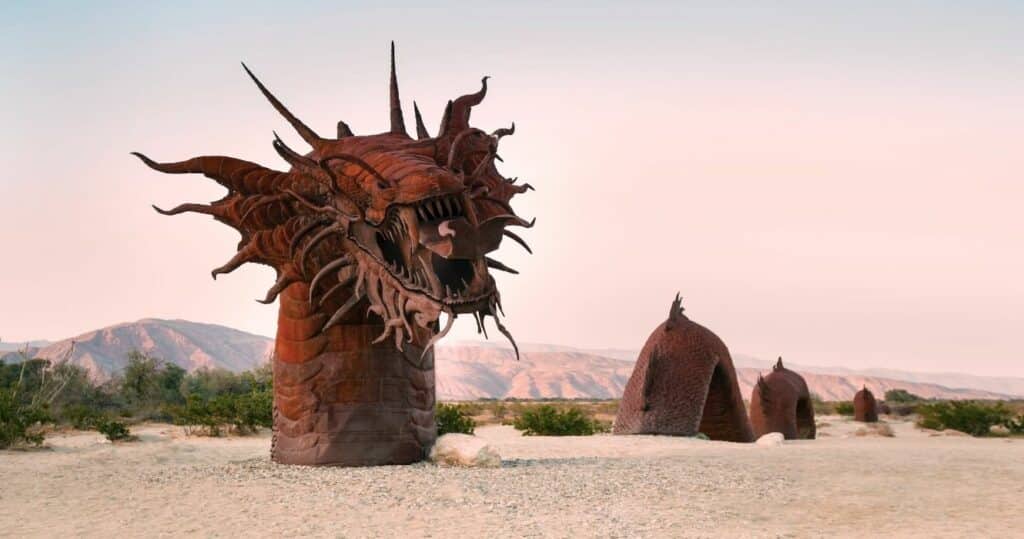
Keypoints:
(292, 157)
(778, 364)
(336, 317)
(462, 107)
(497, 301)
(245, 254)
(345, 278)
(304, 131)
(263, 200)
(494, 264)
(504, 131)
(446, 118)
(433, 340)
(453, 151)
(319, 237)
(480, 326)
(421, 130)
(513, 220)
(343, 260)
(397, 121)
(237, 175)
(293, 243)
(187, 207)
(504, 331)
(520, 189)
(515, 237)
(344, 130)
(286, 278)
(675, 312)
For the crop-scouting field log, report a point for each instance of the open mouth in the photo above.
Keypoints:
(422, 246)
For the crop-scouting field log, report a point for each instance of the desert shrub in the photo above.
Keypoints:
(821, 407)
(1015, 425)
(26, 392)
(209, 383)
(80, 416)
(148, 385)
(168, 384)
(901, 395)
(115, 431)
(196, 416)
(243, 414)
(20, 422)
(844, 408)
(453, 418)
(546, 420)
(971, 417)
(139, 379)
(253, 410)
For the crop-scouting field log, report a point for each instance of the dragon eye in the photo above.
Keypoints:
(381, 185)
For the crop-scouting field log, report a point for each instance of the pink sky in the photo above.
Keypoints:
(840, 187)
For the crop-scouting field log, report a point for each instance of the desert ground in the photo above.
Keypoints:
(914, 484)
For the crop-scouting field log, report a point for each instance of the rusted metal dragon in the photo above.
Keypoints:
(373, 238)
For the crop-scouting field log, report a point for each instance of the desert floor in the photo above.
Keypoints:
(913, 484)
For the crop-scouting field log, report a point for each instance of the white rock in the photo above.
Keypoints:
(464, 450)
(771, 439)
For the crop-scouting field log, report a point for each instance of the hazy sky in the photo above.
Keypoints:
(838, 183)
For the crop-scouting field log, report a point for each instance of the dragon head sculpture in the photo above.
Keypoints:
(375, 225)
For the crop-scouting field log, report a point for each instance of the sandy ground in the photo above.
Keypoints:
(911, 485)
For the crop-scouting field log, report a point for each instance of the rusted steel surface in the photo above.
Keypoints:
(781, 402)
(865, 408)
(684, 383)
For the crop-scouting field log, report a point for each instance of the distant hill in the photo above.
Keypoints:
(472, 370)
(1002, 385)
(190, 345)
(6, 347)
(468, 371)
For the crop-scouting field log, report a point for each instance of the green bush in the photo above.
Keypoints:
(901, 396)
(254, 410)
(453, 418)
(20, 423)
(196, 416)
(1015, 426)
(844, 408)
(546, 420)
(242, 413)
(80, 416)
(971, 417)
(115, 431)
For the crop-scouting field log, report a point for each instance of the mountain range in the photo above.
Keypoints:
(473, 370)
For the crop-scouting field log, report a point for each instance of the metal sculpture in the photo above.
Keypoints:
(781, 402)
(373, 238)
(684, 383)
(865, 408)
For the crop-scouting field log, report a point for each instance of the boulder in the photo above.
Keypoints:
(771, 439)
(464, 450)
